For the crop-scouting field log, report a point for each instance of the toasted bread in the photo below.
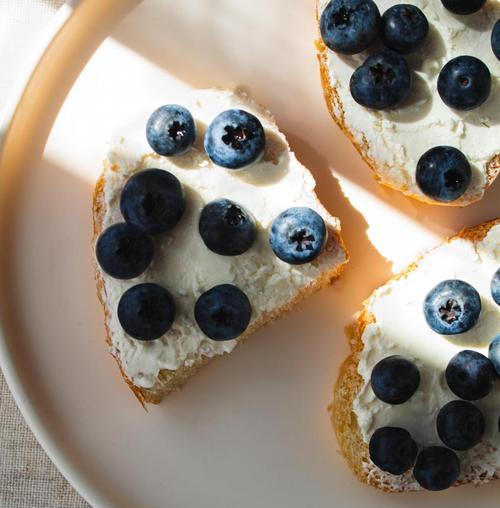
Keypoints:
(297, 282)
(387, 139)
(351, 384)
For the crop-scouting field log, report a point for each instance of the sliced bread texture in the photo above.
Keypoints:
(186, 267)
(392, 141)
(392, 323)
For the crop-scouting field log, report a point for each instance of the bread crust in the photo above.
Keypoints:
(334, 104)
(349, 384)
(171, 380)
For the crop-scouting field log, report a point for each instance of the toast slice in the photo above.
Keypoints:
(392, 141)
(355, 410)
(186, 267)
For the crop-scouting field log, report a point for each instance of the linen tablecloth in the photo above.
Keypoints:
(28, 479)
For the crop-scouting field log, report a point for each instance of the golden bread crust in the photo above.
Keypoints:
(171, 380)
(334, 105)
(349, 383)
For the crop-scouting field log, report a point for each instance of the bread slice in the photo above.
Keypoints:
(352, 393)
(391, 142)
(186, 267)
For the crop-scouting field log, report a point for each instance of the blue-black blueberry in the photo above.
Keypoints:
(235, 139)
(227, 228)
(443, 173)
(494, 353)
(495, 287)
(404, 28)
(460, 425)
(350, 26)
(124, 251)
(298, 235)
(470, 375)
(464, 83)
(170, 130)
(452, 307)
(393, 450)
(436, 468)
(463, 6)
(495, 39)
(153, 200)
(223, 312)
(146, 311)
(395, 379)
(382, 81)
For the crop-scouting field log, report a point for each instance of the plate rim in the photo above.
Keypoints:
(14, 379)
(34, 66)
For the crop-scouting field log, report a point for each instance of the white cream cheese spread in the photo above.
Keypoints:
(183, 264)
(396, 139)
(400, 328)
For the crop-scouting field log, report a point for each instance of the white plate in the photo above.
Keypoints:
(252, 429)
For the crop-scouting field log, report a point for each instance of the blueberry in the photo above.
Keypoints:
(495, 39)
(452, 307)
(395, 379)
(463, 6)
(170, 130)
(460, 425)
(298, 235)
(146, 311)
(227, 228)
(382, 82)
(437, 468)
(464, 83)
(153, 200)
(495, 287)
(393, 450)
(223, 312)
(443, 173)
(494, 353)
(350, 26)
(235, 139)
(404, 28)
(470, 375)
(124, 251)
